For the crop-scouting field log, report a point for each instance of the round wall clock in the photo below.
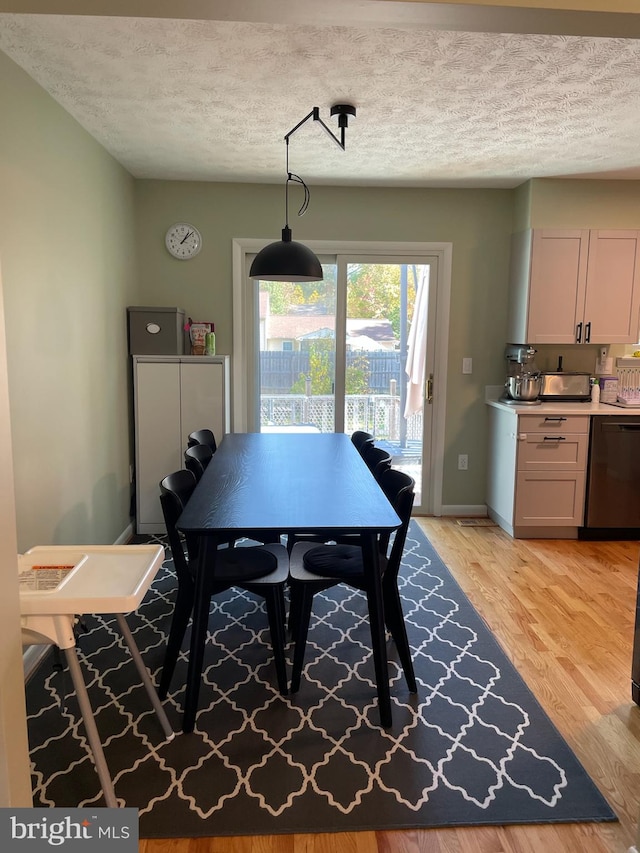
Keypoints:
(183, 241)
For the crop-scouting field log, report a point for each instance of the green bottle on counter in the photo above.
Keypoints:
(210, 343)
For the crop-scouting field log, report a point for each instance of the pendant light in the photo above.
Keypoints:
(287, 260)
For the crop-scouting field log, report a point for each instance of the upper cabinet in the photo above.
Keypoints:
(575, 286)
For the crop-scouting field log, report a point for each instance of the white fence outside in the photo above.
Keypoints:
(378, 414)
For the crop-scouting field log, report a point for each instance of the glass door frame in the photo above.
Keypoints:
(245, 385)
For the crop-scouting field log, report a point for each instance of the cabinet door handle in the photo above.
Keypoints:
(555, 419)
(554, 438)
(579, 333)
(587, 332)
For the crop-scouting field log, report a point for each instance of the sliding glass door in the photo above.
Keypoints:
(354, 351)
(385, 356)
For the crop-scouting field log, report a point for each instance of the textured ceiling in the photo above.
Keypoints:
(212, 100)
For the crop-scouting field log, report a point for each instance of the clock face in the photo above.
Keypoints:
(183, 241)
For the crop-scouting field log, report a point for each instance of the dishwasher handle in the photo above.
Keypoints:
(620, 426)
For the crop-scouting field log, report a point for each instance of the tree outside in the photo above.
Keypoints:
(373, 291)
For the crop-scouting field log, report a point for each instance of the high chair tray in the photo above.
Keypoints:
(104, 578)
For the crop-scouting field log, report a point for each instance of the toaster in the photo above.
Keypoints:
(565, 386)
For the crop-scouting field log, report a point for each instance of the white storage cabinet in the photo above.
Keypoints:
(173, 396)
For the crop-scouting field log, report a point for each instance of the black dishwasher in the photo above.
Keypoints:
(613, 477)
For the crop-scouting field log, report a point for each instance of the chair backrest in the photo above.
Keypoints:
(400, 491)
(175, 491)
(361, 439)
(196, 458)
(377, 459)
(203, 436)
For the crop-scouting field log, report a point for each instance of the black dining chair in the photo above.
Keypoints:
(203, 436)
(314, 568)
(196, 459)
(362, 439)
(259, 569)
(377, 459)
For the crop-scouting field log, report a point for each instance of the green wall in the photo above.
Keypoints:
(559, 203)
(477, 222)
(67, 255)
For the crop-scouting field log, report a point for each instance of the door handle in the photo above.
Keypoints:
(579, 333)
(554, 438)
(587, 333)
(429, 389)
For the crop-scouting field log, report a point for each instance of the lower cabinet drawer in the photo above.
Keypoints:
(549, 498)
(553, 423)
(549, 452)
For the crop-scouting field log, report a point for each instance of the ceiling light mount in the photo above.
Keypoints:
(287, 260)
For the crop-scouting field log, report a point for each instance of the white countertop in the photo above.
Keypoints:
(565, 409)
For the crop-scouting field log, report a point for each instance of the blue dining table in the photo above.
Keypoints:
(268, 484)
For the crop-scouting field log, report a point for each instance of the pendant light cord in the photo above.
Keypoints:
(295, 179)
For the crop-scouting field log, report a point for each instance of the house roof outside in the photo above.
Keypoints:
(310, 326)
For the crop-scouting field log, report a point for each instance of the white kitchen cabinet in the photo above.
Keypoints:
(574, 286)
(173, 396)
(537, 473)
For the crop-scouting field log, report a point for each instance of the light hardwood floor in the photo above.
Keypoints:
(564, 613)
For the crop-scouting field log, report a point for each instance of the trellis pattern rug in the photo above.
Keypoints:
(472, 747)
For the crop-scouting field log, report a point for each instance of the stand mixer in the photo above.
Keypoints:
(524, 381)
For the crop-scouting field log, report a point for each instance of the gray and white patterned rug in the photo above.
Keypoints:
(472, 747)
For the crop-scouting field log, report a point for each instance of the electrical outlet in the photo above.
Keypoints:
(467, 365)
(463, 462)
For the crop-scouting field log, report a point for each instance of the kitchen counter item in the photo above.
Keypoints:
(626, 404)
(608, 389)
(566, 386)
(524, 386)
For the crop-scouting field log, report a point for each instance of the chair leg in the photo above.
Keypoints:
(179, 621)
(274, 600)
(302, 601)
(295, 594)
(394, 618)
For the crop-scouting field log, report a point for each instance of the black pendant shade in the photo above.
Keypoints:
(287, 260)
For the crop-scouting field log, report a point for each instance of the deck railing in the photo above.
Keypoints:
(378, 414)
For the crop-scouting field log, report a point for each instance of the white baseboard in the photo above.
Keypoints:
(465, 510)
(125, 536)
